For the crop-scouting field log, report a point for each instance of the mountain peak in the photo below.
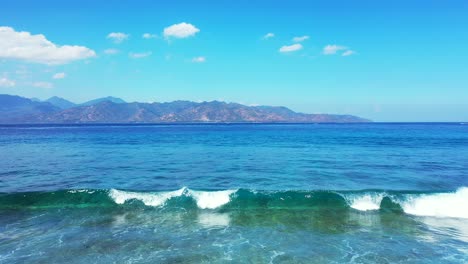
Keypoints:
(103, 99)
(60, 102)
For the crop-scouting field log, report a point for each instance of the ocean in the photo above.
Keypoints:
(234, 193)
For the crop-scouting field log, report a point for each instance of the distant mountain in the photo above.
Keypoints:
(14, 109)
(184, 111)
(60, 102)
(104, 99)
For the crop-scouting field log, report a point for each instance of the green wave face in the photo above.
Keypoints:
(57, 199)
(448, 204)
(230, 200)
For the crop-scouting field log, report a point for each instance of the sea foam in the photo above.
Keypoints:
(364, 202)
(211, 200)
(149, 199)
(204, 199)
(453, 204)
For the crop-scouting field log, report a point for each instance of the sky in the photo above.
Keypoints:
(387, 61)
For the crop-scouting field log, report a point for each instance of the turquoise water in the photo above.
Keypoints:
(238, 193)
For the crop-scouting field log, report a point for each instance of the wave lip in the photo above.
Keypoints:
(431, 204)
(453, 204)
(149, 199)
(204, 199)
(211, 200)
(366, 202)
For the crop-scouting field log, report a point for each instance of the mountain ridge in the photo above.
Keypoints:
(103, 99)
(60, 102)
(108, 111)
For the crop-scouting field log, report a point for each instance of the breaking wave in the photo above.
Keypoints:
(204, 200)
(432, 204)
(365, 202)
(150, 199)
(439, 205)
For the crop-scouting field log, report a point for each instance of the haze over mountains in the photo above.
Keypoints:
(18, 110)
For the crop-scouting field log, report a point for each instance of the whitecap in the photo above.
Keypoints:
(364, 202)
(149, 199)
(81, 191)
(453, 204)
(211, 200)
(204, 199)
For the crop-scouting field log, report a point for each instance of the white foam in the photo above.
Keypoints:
(365, 202)
(438, 205)
(204, 200)
(81, 191)
(149, 199)
(211, 200)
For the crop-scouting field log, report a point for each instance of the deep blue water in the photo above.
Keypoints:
(253, 193)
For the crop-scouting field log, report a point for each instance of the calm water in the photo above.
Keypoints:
(316, 193)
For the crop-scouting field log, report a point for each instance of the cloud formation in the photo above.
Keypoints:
(332, 49)
(182, 30)
(139, 55)
(59, 75)
(111, 51)
(300, 39)
(118, 37)
(348, 53)
(149, 36)
(291, 48)
(21, 45)
(44, 85)
(269, 35)
(4, 82)
(199, 59)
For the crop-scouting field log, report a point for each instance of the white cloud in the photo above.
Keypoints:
(118, 37)
(348, 53)
(332, 49)
(45, 85)
(111, 51)
(139, 55)
(291, 48)
(149, 36)
(269, 35)
(4, 82)
(59, 75)
(300, 39)
(182, 30)
(199, 59)
(36, 48)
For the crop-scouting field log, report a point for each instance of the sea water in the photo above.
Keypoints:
(234, 193)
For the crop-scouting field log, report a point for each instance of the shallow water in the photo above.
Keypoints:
(295, 193)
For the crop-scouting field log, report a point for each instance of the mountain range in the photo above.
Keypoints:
(19, 110)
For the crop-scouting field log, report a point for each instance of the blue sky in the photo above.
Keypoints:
(407, 60)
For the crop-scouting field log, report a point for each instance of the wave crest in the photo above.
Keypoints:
(453, 204)
(204, 199)
(366, 202)
(211, 200)
(149, 199)
(441, 204)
